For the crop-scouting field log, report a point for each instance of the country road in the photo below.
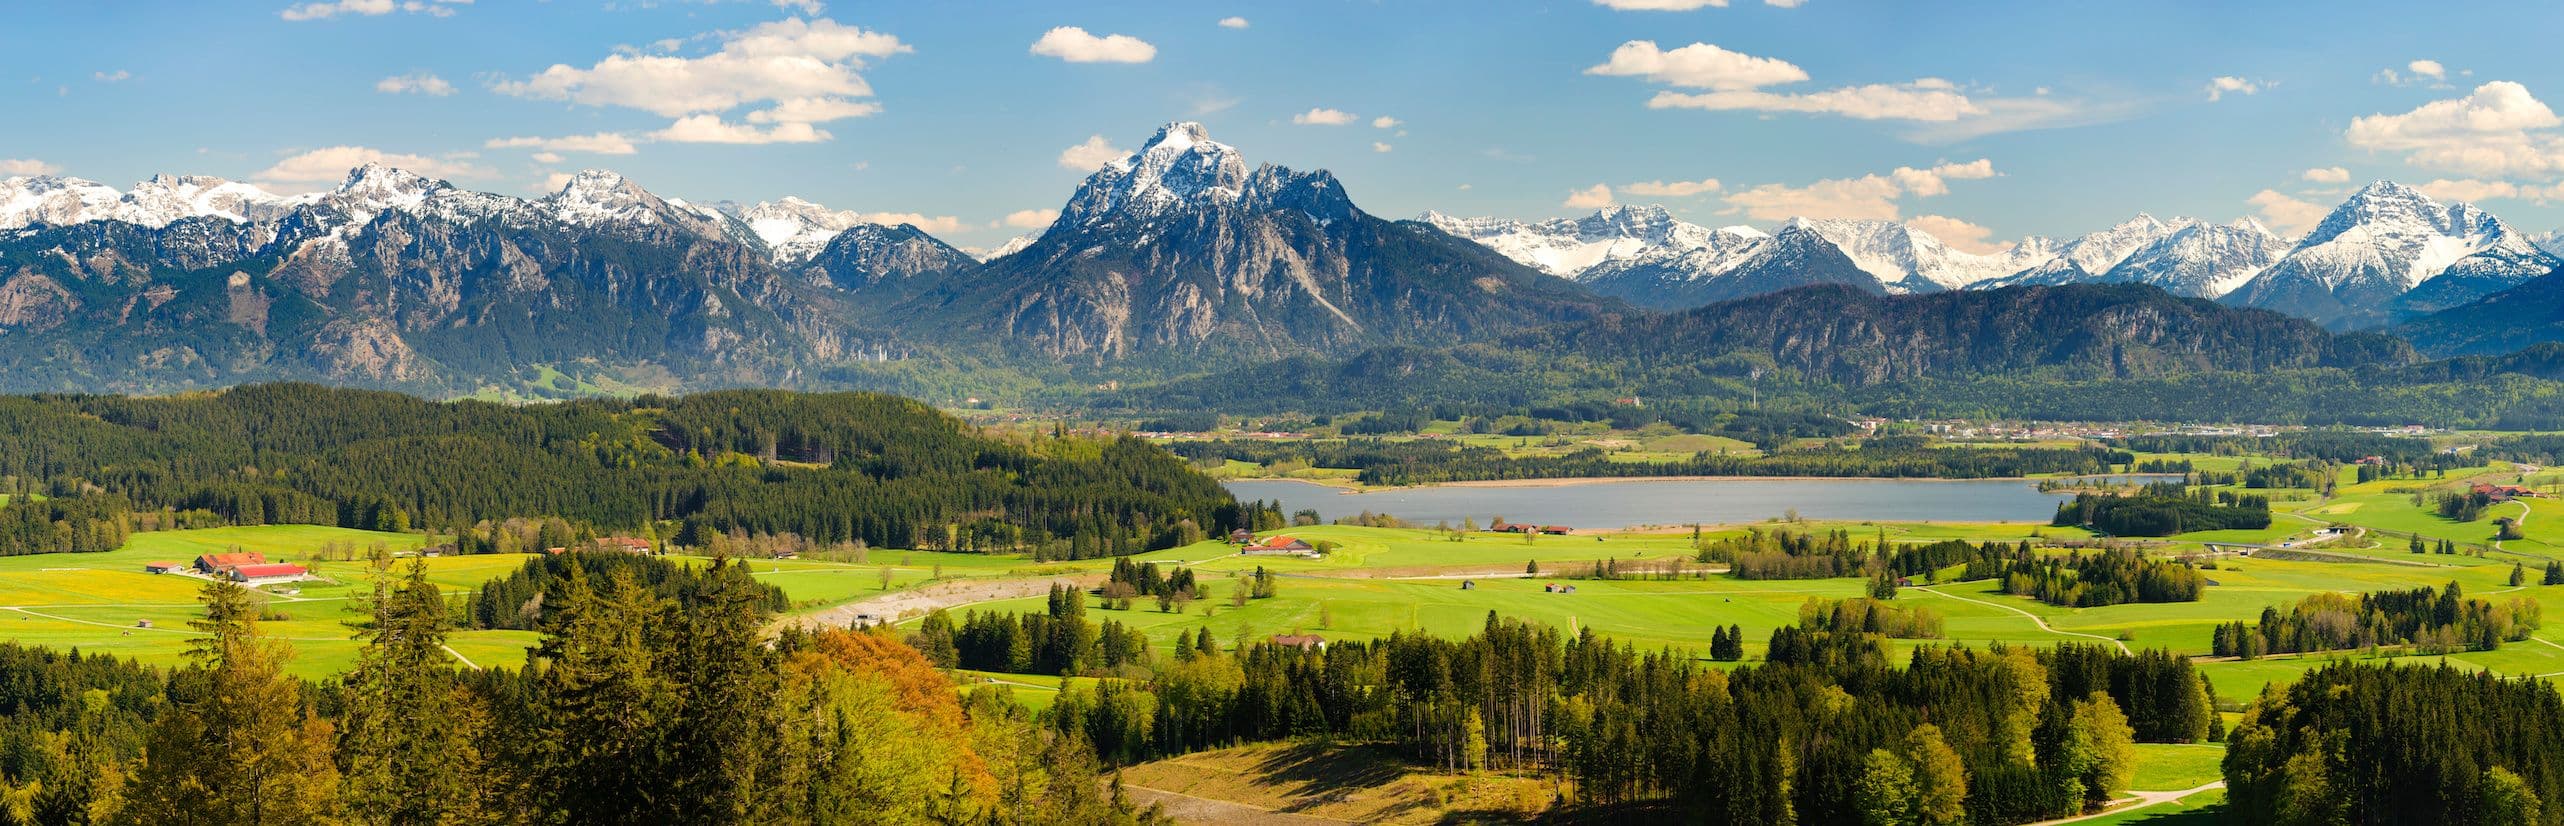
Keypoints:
(899, 605)
(2140, 801)
(2043, 624)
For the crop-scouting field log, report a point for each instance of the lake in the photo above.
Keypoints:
(1634, 502)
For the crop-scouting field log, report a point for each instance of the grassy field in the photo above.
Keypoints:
(1355, 784)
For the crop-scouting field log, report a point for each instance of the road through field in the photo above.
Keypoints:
(899, 605)
(2043, 624)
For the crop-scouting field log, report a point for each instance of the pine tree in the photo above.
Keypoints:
(602, 699)
(239, 743)
(408, 749)
(2519, 574)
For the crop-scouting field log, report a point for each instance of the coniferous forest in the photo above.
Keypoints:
(829, 468)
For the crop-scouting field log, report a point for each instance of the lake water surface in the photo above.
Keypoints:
(1629, 503)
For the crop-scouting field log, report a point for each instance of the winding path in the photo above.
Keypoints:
(2043, 623)
(2139, 801)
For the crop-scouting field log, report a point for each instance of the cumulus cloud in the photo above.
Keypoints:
(27, 166)
(1031, 218)
(2221, 86)
(1674, 189)
(602, 143)
(2469, 189)
(1385, 122)
(809, 7)
(1592, 197)
(417, 83)
(2424, 72)
(2327, 175)
(317, 168)
(1868, 196)
(712, 129)
(1959, 235)
(370, 8)
(1734, 81)
(1926, 183)
(1232, 22)
(1377, 146)
(807, 71)
(117, 76)
(1075, 45)
(1323, 116)
(2497, 131)
(2288, 214)
(1091, 155)
(1697, 66)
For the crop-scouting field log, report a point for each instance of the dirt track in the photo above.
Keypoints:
(899, 605)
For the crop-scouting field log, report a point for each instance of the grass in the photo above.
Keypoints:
(2202, 809)
(2165, 767)
(1360, 784)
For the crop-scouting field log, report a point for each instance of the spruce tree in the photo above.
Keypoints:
(239, 742)
(408, 750)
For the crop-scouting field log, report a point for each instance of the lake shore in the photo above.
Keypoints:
(1349, 487)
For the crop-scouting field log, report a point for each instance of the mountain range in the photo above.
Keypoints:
(1179, 258)
(2388, 252)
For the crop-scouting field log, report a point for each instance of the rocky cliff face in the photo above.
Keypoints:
(1179, 251)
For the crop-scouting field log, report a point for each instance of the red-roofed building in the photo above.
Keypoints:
(1300, 640)
(1280, 545)
(223, 563)
(1555, 530)
(277, 572)
(626, 544)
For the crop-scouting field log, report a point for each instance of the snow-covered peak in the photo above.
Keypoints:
(597, 197)
(2552, 241)
(1179, 166)
(166, 199)
(53, 200)
(1010, 247)
(795, 229)
(2396, 230)
(1904, 258)
(1570, 247)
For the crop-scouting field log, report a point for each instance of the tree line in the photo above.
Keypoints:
(2164, 509)
(2433, 620)
(1418, 462)
(829, 468)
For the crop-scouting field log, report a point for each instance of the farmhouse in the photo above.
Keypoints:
(1279, 546)
(222, 564)
(1241, 536)
(625, 544)
(1300, 640)
(1555, 530)
(1501, 526)
(278, 572)
(2504, 493)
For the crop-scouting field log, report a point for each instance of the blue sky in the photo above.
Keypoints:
(1985, 121)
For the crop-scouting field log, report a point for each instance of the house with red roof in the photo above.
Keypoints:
(1279, 546)
(272, 572)
(221, 564)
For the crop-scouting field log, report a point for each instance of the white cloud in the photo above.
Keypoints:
(1323, 116)
(602, 143)
(329, 165)
(546, 157)
(1385, 122)
(1959, 235)
(1674, 189)
(2287, 214)
(2327, 175)
(552, 182)
(2427, 69)
(2221, 86)
(809, 7)
(1926, 183)
(1735, 81)
(814, 110)
(1377, 146)
(2497, 131)
(2423, 72)
(117, 76)
(1868, 196)
(26, 166)
(370, 8)
(1031, 218)
(936, 224)
(1091, 155)
(1697, 66)
(712, 129)
(1592, 197)
(806, 69)
(1075, 45)
(1232, 22)
(2468, 189)
(418, 83)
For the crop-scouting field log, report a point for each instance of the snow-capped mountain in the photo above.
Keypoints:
(1571, 247)
(1009, 247)
(2183, 256)
(1744, 265)
(2552, 241)
(794, 229)
(1180, 251)
(1909, 260)
(155, 203)
(2391, 249)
